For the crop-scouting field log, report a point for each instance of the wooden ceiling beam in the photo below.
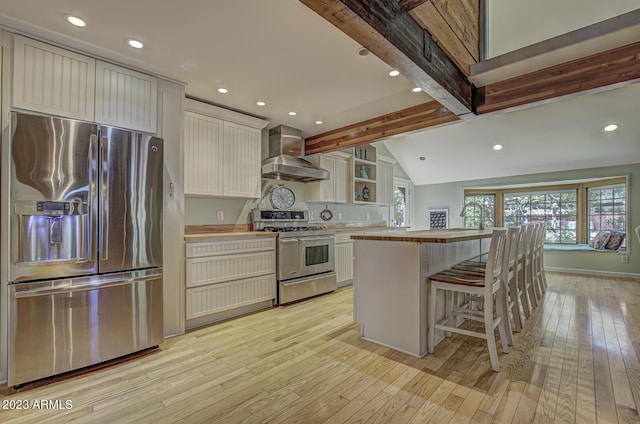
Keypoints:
(414, 118)
(612, 68)
(389, 32)
(409, 5)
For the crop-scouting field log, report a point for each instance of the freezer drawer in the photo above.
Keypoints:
(62, 325)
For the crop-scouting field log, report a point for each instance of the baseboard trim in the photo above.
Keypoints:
(592, 272)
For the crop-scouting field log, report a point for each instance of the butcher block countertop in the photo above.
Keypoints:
(428, 236)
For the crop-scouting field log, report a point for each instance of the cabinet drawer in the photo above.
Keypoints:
(217, 269)
(227, 247)
(343, 238)
(221, 297)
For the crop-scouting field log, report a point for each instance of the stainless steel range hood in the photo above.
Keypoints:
(285, 160)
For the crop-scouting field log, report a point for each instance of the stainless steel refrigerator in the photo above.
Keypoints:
(85, 245)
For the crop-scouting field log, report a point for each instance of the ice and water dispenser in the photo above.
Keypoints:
(52, 232)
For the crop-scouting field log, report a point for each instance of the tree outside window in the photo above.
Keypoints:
(555, 209)
(400, 203)
(484, 206)
(607, 208)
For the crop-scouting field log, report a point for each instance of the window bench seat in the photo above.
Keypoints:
(574, 248)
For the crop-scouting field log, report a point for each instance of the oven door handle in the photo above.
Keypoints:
(291, 240)
(316, 238)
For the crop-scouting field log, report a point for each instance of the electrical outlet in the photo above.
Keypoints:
(220, 215)
(310, 216)
(368, 216)
(339, 215)
(624, 259)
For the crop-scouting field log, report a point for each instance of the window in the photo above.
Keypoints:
(556, 209)
(401, 209)
(478, 205)
(572, 213)
(607, 206)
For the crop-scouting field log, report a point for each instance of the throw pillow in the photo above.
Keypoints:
(615, 241)
(600, 240)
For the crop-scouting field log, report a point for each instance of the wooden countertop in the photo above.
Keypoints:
(231, 234)
(429, 236)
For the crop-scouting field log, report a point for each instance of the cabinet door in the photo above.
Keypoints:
(385, 183)
(125, 98)
(202, 155)
(51, 80)
(341, 180)
(327, 187)
(344, 261)
(241, 161)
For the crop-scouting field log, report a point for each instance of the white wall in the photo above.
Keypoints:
(451, 196)
(513, 24)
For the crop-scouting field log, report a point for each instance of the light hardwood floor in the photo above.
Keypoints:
(577, 361)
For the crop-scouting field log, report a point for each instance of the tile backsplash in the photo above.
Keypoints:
(207, 211)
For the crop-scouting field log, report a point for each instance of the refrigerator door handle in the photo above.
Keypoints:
(104, 191)
(85, 287)
(92, 240)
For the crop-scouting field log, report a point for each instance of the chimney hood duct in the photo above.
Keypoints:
(285, 160)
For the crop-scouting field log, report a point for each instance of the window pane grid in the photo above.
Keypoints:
(607, 209)
(555, 209)
(473, 212)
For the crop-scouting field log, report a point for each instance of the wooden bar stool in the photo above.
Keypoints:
(538, 268)
(526, 263)
(487, 286)
(510, 268)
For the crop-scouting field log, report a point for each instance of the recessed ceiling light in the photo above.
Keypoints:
(610, 127)
(497, 147)
(363, 52)
(394, 73)
(416, 89)
(223, 90)
(261, 103)
(75, 21)
(292, 113)
(135, 43)
(319, 122)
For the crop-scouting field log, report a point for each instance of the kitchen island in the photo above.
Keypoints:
(391, 281)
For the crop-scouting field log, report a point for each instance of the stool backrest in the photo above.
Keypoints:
(496, 257)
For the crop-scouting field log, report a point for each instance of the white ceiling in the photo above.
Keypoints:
(283, 53)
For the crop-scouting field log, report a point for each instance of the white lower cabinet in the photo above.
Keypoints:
(344, 259)
(229, 275)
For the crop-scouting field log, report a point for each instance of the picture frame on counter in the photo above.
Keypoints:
(438, 219)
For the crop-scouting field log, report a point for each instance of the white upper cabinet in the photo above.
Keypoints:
(241, 161)
(59, 82)
(125, 98)
(202, 152)
(385, 180)
(51, 80)
(222, 152)
(334, 189)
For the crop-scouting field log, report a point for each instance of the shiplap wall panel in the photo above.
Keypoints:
(51, 80)
(125, 98)
(217, 269)
(226, 247)
(242, 160)
(221, 297)
(202, 154)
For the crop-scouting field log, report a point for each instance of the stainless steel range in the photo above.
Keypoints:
(305, 254)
